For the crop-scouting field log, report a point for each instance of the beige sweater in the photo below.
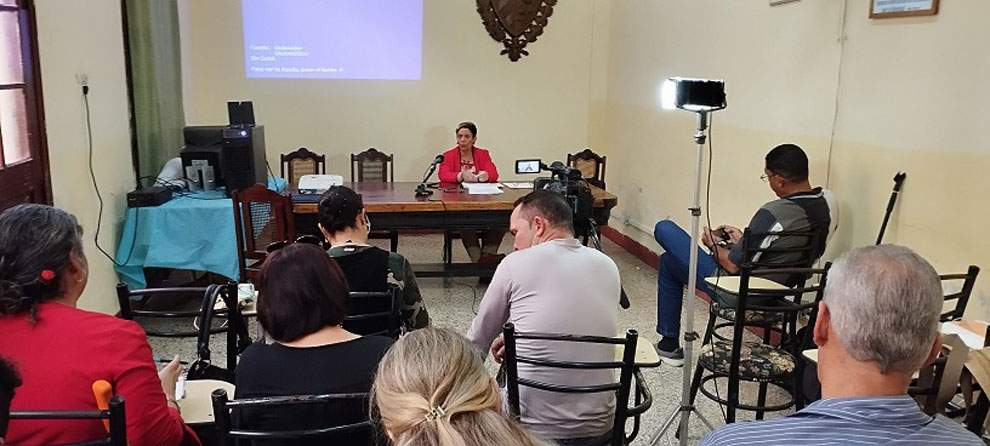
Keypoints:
(557, 286)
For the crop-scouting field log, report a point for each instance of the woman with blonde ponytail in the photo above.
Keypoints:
(432, 389)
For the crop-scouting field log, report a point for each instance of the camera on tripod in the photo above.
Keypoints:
(568, 183)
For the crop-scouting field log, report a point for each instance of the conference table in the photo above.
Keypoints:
(395, 206)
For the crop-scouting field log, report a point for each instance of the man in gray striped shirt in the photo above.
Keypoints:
(877, 325)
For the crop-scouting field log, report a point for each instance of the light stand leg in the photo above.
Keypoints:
(686, 408)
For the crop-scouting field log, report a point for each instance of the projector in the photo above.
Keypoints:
(318, 184)
(149, 196)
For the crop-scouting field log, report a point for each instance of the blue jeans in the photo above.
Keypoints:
(672, 275)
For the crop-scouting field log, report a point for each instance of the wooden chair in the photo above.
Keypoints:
(961, 297)
(116, 436)
(302, 162)
(626, 366)
(374, 166)
(357, 430)
(591, 165)
(261, 217)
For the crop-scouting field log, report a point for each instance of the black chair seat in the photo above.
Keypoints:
(757, 362)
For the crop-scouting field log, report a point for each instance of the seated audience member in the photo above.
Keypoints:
(301, 305)
(467, 163)
(61, 350)
(799, 208)
(553, 284)
(432, 389)
(345, 225)
(877, 325)
(9, 380)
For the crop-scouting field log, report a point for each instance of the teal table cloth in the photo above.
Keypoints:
(192, 231)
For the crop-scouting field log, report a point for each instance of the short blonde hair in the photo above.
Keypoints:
(433, 369)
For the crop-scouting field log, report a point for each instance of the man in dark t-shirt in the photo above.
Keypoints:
(799, 208)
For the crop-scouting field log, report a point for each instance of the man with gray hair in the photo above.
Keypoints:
(876, 326)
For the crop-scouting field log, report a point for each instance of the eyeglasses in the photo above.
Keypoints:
(766, 177)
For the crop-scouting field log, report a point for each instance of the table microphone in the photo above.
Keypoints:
(421, 190)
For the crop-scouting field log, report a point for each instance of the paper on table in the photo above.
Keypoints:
(971, 332)
(482, 188)
(518, 185)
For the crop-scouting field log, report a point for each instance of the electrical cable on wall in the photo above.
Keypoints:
(96, 187)
(838, 89)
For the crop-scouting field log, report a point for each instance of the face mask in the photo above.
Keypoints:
(367, 224)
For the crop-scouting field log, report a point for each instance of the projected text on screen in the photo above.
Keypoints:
(333, 39)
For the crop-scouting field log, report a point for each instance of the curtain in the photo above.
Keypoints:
(156, 82)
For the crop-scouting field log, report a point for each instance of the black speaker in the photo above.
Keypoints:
(244, 163)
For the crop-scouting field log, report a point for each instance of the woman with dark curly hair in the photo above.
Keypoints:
(61, 350)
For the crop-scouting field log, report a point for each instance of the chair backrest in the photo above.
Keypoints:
(962, 296)
(626, 367)
(374, 313)
(236, 327)
(117, 435)
(372, 166)
(302, 162)
(591, 165)
(782, 249)
(226, 433)
(261, 217)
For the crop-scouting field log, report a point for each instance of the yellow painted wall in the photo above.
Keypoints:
(909, 97)
(85, 37)
(538, 106)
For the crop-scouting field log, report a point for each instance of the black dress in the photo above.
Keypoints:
(277, 370)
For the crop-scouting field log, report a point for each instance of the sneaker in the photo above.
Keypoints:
(674, 358)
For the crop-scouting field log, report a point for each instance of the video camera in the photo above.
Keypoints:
(568, 183)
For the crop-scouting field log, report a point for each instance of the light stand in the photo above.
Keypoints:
(702, 97)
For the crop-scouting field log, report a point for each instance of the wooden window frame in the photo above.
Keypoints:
(28, 180)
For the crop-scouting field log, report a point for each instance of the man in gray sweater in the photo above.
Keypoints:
(553, 284)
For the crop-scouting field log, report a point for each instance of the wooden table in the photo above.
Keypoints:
(197, 405)
(646, 355)
(395, 206)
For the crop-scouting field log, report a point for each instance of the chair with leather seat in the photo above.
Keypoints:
(625, 364)
(115, 415)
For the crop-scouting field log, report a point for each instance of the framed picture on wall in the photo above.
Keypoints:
(882, 9)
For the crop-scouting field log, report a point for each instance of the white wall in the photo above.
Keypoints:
(908, 96)
(85, 37)
(538, 106)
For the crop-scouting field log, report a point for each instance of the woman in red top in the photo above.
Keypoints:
(60, 350)
(469, 164)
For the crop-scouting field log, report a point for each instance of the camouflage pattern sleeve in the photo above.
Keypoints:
(414, 314)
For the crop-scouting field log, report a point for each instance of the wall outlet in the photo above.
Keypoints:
(82, 79)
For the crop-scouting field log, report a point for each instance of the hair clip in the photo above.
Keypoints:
(435, 413)
(46, 276)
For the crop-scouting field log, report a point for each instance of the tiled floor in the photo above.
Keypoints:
(453, 306)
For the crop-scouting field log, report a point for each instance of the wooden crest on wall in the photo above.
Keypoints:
(515, 23)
